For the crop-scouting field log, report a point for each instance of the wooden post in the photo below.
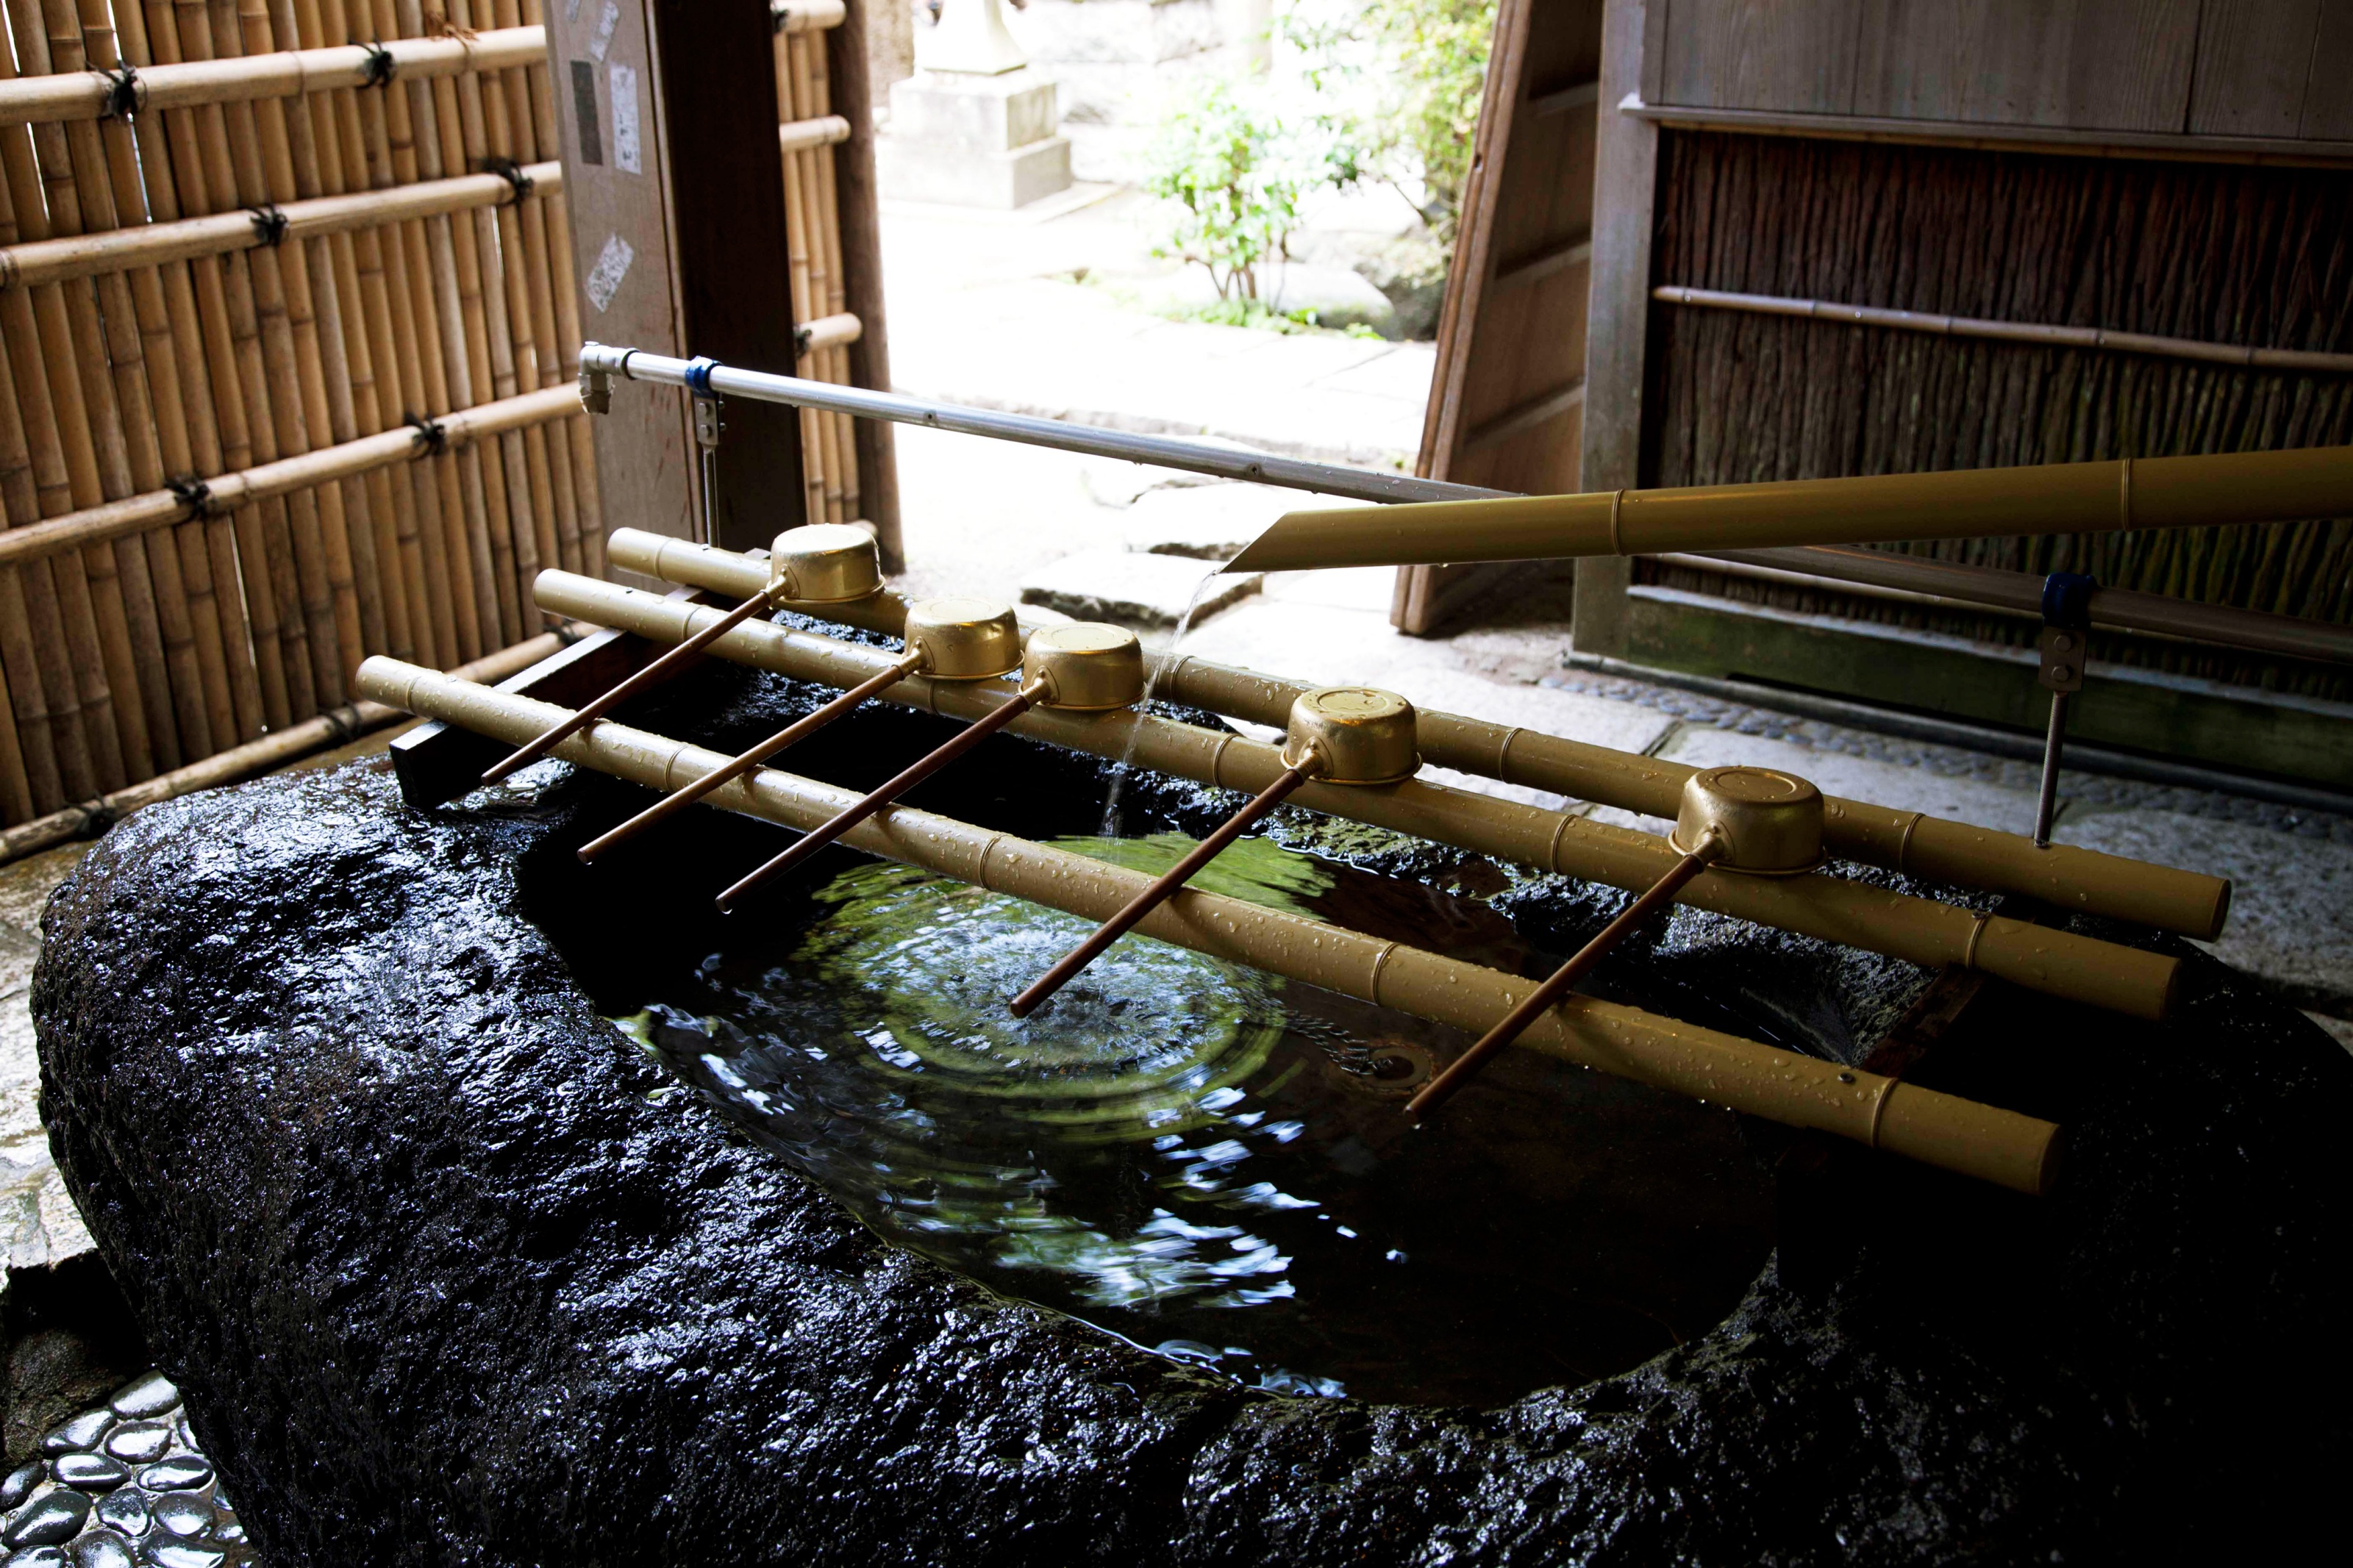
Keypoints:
(676, 190)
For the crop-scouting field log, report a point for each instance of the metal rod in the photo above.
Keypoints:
(1162, 890)
(1977, 1140)
(743, 763)
(1514, 1024)
(1196, 457)
(818, 837)
(2046, 803)
(672, 662)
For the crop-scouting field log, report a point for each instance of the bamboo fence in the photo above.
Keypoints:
(288, 349)
(808, 132)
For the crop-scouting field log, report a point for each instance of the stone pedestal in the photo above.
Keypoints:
(974, 141)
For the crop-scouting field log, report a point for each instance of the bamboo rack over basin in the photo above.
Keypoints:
(2188, 902)
(1976, 1140)
(1855, 914)
(2052, 497)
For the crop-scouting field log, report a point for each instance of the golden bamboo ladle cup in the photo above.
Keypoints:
(823, 563)
(1341, 734)
(1758, 822)
(1083, 665)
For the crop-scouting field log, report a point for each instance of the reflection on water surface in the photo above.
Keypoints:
(1209, 1160)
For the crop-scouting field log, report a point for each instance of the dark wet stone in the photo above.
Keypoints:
(182, 1514)
(124, 1510)
(20, 1484)
(49, 1519)
(90, 1472)
(411, 1163)
(78, 1435)
(140, 1441)
(37, 1557)
(184, 1554)
(175, 1474)
(150, 1396)
(103, 1548)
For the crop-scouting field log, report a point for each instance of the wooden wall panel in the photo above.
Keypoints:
(2105, 65)
(1796, 55)
(2254, 66)
(2328, 101)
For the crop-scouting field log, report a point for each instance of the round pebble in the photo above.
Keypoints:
(90, 1472)
(177, 1473)
(103, 1550)
(181, 1554)
(49, 1518)
(150, 1396)
(20, 1484)
(140, 1441)
(125, 1510)
(78, 1435)
(37, 1557)
(182, 1514)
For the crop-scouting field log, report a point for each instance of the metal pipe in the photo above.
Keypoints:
(1980, 1141)
(1911, 842)
(1855, 914)
(2198, 491)
(1194, 456)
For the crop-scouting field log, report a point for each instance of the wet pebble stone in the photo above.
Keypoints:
(103, 1550)
(185, 1554)
(49, 1518)
(38, 1557)
(150, 1396)
(89, 1472)
(177, 1473)
(78, 1435)
(182, 1514)
(125, 1510)
(20, 1484)
(140, 1441)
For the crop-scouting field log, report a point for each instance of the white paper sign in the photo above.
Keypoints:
(625, 119)
(572, 10)
(612, 266)
(602, 39)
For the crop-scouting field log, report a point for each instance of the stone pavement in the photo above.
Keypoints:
(39, 1226)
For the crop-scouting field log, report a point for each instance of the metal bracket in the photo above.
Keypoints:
(2064, 644)
(707, 427)
(595, 390)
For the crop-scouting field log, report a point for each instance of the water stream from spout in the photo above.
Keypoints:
(1162, 665)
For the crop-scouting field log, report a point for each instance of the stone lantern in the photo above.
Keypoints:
(974, 126)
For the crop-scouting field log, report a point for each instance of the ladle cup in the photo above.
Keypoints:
(1754, 821)
(823, 563)
(1084, 666)
(1341, 734)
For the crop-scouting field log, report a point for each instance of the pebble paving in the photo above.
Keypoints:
(122, 1486)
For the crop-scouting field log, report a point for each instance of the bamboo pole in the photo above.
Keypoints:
(2201, 491)
(274, 751)
(579, 449)
(1980, 1141)
(807, 306)
(1853, 914)
(531, 116)
(285, 74)
(32, 678)
(327, 465)
(819, 104)
(1943, 851)
(513, 134)
(15, 785)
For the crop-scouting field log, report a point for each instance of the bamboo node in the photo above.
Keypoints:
(376, 71)
(125, 94)
(509, 171)
(193, 494)
(432, 433)
(269, 223)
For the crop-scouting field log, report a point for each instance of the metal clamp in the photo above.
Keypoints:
(707, 427)
(2064, 644)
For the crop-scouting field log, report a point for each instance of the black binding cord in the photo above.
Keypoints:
(509, 171)
(432, 432)
(269, 223)
(193, 493)
(124, 95)
(380, 65)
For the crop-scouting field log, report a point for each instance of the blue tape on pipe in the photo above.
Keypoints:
(698, 376)
(2067, 600)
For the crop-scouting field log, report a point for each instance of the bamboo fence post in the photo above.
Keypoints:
(579, 439)
(183, 185)
(35, 322)
(16, 787)
(529, 112)
(22, 640)
(817, 103)
(195, 659)
(796, 274)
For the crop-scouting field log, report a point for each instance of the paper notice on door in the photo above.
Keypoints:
(602, 38)
(625, 119)
(612, 266)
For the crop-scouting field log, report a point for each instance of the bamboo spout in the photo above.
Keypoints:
(1977, 1140)
(2052, 497)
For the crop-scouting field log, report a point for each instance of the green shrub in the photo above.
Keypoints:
(1233, 200)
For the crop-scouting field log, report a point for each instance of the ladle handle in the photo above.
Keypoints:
(1159, 892)
(661, 669)
(818, 837)
(737, 766)
(1465, 1068)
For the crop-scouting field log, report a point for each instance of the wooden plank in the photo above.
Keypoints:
(2082, 64)
(2255, 61)
(861, 266)
(1761, 54)
(2328, 97)
(437, 764)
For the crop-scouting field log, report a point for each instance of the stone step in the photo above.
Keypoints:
(1134, 589)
